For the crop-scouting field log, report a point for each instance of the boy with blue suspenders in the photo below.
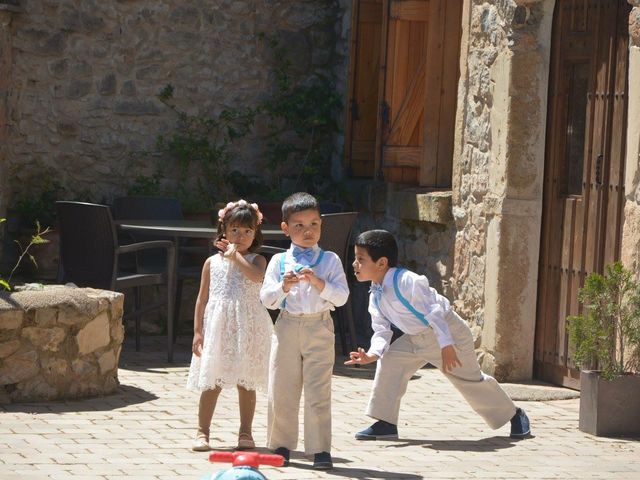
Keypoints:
(433, 333)
(305, 283)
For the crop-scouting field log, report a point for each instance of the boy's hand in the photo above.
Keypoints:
(196, 347)
(310, 276)
(449, 359)
(289, 280)
(360, 357)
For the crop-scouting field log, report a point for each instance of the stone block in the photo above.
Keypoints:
(11, 319)
(46, 316)
(78, 89)
(433, 207)
(18, 367)
(47, 339)
(107, 85)
(95, 335)
(8, 348)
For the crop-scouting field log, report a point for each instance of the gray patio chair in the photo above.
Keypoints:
(162, 208)
(336, 236)
(90, 254)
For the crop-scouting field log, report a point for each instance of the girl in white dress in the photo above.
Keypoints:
(231, 328)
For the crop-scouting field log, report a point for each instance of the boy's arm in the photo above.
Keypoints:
(336, 289)
(425, 299)
(271, 293)
(380, 340)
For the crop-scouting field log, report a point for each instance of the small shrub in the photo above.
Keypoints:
(606, 336)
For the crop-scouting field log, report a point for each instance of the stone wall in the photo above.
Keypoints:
(498, 175)
(631, 230)
(59, 343)
(84, 78)
(423, 226)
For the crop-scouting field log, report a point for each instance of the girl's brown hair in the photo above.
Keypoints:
(243, 216)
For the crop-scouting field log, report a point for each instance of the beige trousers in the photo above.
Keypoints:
(410, 352)
(302, 355)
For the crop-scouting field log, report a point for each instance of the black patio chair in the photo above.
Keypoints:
(90, 254)
(336, 236)
(162, 208)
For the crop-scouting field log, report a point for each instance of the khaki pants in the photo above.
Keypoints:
(302, 355)
(410, 352)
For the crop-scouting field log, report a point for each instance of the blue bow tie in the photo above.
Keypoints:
(303, 256)
(377, 290)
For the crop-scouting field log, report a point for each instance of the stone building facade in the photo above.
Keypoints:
(81, 97)
(81, 79)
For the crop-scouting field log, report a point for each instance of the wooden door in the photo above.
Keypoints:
(403, 87)
(366, 43)
(401, 121)
(583, 188)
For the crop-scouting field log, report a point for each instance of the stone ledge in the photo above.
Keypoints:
(416, 205)
(59, 343)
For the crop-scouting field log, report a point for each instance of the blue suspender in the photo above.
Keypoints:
(282, 265)
(404, 301)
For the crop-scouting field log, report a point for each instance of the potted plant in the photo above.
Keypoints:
(606, 338)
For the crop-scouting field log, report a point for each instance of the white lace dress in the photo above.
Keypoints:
(236, 332)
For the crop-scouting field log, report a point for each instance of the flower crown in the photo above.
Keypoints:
(240, 203)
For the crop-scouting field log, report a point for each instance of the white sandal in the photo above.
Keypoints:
(201, 443)
(245, 441)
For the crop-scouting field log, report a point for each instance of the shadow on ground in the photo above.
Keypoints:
(491, 444)
(125, 395)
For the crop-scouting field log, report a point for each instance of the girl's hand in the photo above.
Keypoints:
(227, 249)
(449, 359)
(196, 347)
(231, 250)
(221, 244)
(361, 357)
(289, 280)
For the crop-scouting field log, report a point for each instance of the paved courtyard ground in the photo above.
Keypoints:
(145, 430)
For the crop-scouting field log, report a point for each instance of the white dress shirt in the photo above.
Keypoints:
(303, 297)
(426, 300)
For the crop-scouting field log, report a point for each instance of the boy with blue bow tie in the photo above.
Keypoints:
(433, 333)
(306, 283)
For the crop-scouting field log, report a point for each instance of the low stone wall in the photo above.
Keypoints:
(59, 343)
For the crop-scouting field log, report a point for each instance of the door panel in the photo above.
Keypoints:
(583, 187)
(402, 122)
(365, 67)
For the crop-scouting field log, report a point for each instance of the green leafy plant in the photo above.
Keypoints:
(37, 204)
(23, 251)
(146, 185)
(606, 336)
(201, 147)
(302, 116)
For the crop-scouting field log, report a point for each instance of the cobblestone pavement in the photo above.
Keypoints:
(145, 430)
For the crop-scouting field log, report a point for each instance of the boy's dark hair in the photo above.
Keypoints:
(242, 216)
(378, 244)
(297, 202)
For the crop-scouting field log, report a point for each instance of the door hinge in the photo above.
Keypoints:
(384, 112)
(355, 111)
(599, 160)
